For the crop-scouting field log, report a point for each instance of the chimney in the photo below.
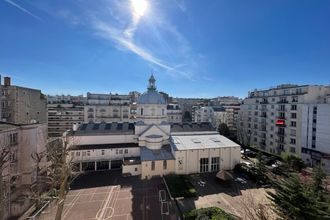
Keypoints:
(6, 81)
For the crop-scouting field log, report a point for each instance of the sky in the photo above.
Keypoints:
(195, 48)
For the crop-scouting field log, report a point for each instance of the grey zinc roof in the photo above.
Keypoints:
(164, 153)
(103, 146)
(191, 127)
(105, 128)
(151, 97)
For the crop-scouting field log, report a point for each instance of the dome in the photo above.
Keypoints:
(151, 97)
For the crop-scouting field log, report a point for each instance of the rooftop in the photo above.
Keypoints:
(191, 127)
(194, 142)
(104, 128)
(150, 155)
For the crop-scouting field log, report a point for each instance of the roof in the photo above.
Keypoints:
(164, 153)
(104, 128)
(195, 142)
(7, 126)
(103, 146)
(190, 127)
(151, 97)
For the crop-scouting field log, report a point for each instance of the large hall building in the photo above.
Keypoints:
(151, 146)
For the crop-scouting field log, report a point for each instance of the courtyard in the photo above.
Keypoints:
(234, 197)
(108, 195)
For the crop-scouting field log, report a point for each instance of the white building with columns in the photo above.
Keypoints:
(151, 146)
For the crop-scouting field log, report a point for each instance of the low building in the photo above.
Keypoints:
(151, 146)
(21, 171)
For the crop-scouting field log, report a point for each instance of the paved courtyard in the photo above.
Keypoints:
(233, 197)
(116, 198)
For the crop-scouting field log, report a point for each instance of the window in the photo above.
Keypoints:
(292, 141)
(294, 98)
(314, 110)
(256, 113)
(314, 120)
(72, 154)
(180, 164)
(88, 153)
(78, 153)
(314, 129)
(165, 164)
(152, 165)
(120, 151)
(293, 107)
(293, 124)
(204, 165)
(13, 138)
(293, 115)
(102, 152)
(126, 151)
(292, 149)
(84, 153)
(215, 163)
(141, 111)
(163, 111)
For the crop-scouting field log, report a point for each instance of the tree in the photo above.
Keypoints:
(294, 199)
(256, 210)
(294, 162)
(59, 171)
(224, 130)
(187, 116)
(4, 159)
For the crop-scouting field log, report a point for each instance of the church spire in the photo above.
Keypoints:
(152, 83)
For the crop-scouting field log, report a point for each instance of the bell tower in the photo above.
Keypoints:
(152, 83)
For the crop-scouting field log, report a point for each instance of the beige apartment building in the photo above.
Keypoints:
(22, 105)
(272, 119)
(107, 108)
(20, 172)
(61, 117)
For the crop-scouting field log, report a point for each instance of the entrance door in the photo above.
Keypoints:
(204, 165)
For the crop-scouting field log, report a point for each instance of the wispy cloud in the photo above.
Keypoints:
(23, 9)
(111, 33)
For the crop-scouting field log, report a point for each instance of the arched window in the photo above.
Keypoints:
(141, 111)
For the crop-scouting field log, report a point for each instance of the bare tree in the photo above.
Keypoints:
(4, 159)
(59, 171)
(243, 134)
(256, 210)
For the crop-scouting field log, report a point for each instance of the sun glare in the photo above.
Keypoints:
(139, 7)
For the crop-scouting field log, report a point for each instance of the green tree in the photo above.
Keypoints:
(294, 199)
(224, 130)
(294, 162)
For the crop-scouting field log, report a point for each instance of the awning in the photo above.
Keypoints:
(280, 122)
(224, 175)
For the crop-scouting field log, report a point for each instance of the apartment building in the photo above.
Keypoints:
(315, 130)
(204, 114)
(273, 119)
(61, 117)
(107, 108)
(22, 105)
(174, 113)
(62, 99)
(21, 172)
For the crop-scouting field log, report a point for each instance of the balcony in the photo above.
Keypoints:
(282, 102)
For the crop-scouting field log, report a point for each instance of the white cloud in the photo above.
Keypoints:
(23, 9)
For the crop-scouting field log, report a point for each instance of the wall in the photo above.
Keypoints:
(229, 157)
(134, 170)
(158, 171)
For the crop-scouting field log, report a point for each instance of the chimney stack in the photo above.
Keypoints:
(6, 81)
